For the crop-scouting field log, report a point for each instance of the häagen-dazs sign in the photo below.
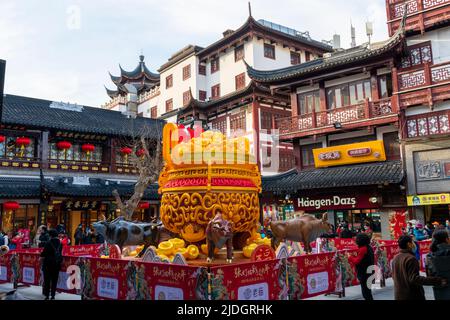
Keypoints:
(337, 202)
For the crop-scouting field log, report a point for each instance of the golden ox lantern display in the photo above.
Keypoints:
(204, 174)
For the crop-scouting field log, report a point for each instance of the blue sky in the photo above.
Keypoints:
(62, 50)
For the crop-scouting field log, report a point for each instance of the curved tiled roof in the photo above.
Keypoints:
(38, 113)
(11, 188)
(345, 176)
(62, 186)
(337, 59)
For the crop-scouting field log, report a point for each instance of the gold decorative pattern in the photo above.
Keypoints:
(188, 213)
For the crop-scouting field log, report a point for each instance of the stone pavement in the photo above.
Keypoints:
(352, 293)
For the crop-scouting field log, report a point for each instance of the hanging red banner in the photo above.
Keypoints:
(259, 280)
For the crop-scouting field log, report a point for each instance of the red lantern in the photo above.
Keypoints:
(126, 151)
(11, 205)
(144, 205)
(140, 152)
(64, 145)
(2, 139)
(23, 141)
(88, 148)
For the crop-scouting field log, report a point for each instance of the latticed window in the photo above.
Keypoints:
(418, 55)
(75, 153)
(239, 53)
(215, 91)
(186, 97)
(169, 105)
(169, 81)
(266, 120)
(307, 154)
(202, 95)
(237, 121)
(295, 58)
(240, 81)
(187, 72)
(215, 65)
(220, 124)
(202, 69)
(10, 148)
(269, 51)
(154, 112)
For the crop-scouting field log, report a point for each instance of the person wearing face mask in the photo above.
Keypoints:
(408, 283)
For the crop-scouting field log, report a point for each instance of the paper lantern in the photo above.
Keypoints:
(64, 145)
(140, 152)
(11, 205)
(88, 148)
(126, 150)
(2, 139)
(144, 205)
(23, 141)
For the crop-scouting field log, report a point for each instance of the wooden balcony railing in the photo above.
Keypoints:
(31, 163)
(326, 119)
(421, 13)
(426, 75)
(428, 124)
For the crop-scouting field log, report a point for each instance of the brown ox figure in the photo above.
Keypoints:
(305, 229)
(218, 233)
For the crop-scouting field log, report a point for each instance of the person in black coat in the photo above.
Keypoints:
(362, 261)
(78, 235)
(44, 237)
(51, 264)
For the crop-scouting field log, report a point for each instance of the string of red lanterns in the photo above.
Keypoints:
(2, 139)
(88, 148)
(22, 142)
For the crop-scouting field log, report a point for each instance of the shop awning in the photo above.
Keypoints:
(95, 188)
(345, 176)
(13, 188)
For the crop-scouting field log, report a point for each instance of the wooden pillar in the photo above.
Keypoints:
(388, 14)
(112, 164)
(421, 22)
(395, 89)
(255, 114)
(322, 96)
(296, 145)
(375, 90)
(428, 82)
(44, 150)
(294, 103)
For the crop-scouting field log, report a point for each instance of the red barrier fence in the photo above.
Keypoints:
(294, 278)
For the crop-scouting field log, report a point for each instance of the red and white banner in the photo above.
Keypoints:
(5, 268)
(311, 275)
(259, 280)
(86, 250)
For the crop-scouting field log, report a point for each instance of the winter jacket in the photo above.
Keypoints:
(419, 234)
(43, 239)
(362, 261)
(408, 283)
(438, 265)
(52, 249)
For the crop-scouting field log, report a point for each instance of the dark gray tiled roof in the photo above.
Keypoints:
(337, 59)
(345, 176)
(38, 113)
(19, 188)
(97, 188)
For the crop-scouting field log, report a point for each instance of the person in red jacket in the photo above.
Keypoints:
(18, 240)
(363, 260)
(64, 239)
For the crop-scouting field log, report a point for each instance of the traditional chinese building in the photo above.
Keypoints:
(345, 131)
(211, 84)
(60, 162)
(423, 89)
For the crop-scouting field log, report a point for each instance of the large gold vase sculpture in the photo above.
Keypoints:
(203, 176)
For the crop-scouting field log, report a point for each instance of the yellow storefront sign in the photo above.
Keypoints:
(429, 199)
(362, 152)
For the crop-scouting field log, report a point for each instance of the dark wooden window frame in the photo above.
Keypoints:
(272, 48)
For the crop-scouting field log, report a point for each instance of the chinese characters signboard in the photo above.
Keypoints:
(429, 199)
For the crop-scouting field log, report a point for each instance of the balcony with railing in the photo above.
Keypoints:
(428, 124)
(360, 115)
(421, 14)
(424, 85)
